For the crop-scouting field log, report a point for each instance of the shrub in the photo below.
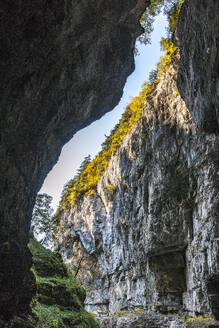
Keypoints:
(86, 182)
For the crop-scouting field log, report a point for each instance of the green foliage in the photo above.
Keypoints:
(43, 220)
(166, 60)
(54, 317)
(111, 187)
(85, 183)
(78, 177)
(59, 299)
(109, 192)
(197, 320)
(173, 15)
(144, 135)
(121, 313)
(171, 9)
(153, 76)
(147, 20)
(46, 262)
(165, 44)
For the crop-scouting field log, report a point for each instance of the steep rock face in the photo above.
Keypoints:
(149, 236)
(58, 61)
(198, 80)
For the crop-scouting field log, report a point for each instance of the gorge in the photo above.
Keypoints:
(147, 238)
(153, 221)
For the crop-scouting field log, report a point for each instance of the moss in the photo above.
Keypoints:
(144, 135)
(55, 317)
(121, 313)
(109, 192)
(198, 321)
(111, 187)
(60, 298)
(45, 261)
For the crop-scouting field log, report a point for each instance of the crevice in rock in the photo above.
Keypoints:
(168, 269)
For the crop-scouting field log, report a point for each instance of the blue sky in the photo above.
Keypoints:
(89, 140)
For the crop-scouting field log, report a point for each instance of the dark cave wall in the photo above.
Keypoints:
(62, 66)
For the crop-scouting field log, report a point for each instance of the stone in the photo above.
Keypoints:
(198, 70)
(154, 240)
(63, 65)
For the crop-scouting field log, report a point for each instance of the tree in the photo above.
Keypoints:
(148, 18)
(170, 8)
(43, 219)
(153, 76)
(84, 164)
(69, 185)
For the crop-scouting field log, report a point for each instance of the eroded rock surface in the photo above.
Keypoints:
(198, 80)
(63, 64)
(150, 233)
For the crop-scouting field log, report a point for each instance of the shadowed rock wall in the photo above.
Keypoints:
(63, 64)
(198, 79)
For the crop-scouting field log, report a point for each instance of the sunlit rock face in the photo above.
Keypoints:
(62, 64)
(148, 239)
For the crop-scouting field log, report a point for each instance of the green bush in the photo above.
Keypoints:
(59, 301)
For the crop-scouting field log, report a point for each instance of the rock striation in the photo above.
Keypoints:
(58, 61)
(198, 82)
(149, 237)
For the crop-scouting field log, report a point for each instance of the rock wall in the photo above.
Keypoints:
(149, 237)
(198, 79)
(58, 61)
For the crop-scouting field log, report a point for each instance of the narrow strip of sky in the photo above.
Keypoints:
(89, 140)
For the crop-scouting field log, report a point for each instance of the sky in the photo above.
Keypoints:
(88, 140)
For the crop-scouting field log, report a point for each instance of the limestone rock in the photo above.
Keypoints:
(151, 241)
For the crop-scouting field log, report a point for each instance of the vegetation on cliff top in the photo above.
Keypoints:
(59, 301)
(85, 183)
(171, 9)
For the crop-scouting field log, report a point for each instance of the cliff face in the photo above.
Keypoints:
(149, 236)
(198, 80)
(58, 61)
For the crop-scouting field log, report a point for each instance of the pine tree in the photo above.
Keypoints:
(42, 220)
(84, 164)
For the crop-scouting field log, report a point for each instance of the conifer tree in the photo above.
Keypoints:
(42, 220)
